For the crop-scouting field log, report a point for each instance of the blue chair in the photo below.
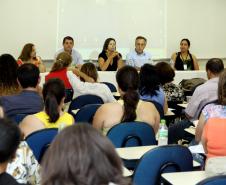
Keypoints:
(40, 140)
(216, 180)
(132, 134)
(83, 100)
(110, 86)
(86, 113)
(162, 159)
(19, 117)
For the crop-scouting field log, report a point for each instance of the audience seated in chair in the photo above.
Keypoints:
(212, 123)
(8, 75)
(150, 89)
(172, 91)
(130, 108)
(60, 68)
(24, 167)
(81, 155)
(206, 92)
(10, 139)
(52, 116)
(88, 71)
(203, 94)
(28, 100)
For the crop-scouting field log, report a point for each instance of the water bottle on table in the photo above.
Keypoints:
(163, 133)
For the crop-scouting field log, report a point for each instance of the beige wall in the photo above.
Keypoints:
(24, 21)
(37, 21)
(202, 21)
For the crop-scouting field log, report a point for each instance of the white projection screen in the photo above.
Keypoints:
(90, 22)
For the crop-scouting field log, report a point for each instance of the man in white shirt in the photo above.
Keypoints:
(68, 44)
(138, 57)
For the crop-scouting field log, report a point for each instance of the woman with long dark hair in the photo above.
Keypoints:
(110, 59)
(130, 108)
(52, 116)
(150, 86)
(184, 60)
(81, 155)
(8, 75)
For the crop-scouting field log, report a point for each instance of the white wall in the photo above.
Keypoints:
(45, 22)
(202, 21)
(23, 21)
(92, 21)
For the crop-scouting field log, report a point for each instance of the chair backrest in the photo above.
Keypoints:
(129, 134)
(110, 86)
(40, 140)
(162, 159)
(216, 180)
(210, 102)
(159, 108)
(83, 100)
(19, 117)
(68, 95)
(86, 113)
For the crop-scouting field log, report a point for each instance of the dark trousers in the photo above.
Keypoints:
(177, 132)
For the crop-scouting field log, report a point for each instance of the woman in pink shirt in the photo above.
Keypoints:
(214, 118)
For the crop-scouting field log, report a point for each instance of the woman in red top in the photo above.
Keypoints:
(59, 69)
(28, 54)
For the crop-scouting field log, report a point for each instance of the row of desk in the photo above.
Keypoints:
(177, 178)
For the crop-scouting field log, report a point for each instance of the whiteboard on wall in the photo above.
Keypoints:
(202, 21)
(164, 23)
(28, 21)
(90, 22)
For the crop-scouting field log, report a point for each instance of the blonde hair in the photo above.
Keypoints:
(63, 60)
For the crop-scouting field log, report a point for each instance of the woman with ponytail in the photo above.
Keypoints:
(59, 69)
(52, 116)
(130, 108)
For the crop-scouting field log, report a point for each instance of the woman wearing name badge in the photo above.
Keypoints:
(109, 59)
(184, 60)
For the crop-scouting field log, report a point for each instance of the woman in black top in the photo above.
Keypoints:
(109, 59)
(184, 60)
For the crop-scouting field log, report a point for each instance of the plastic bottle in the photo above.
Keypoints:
(163, 133)
(61, 127)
